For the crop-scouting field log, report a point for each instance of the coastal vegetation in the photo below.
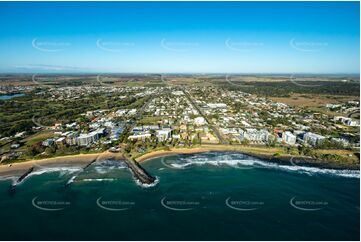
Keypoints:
(72, 104)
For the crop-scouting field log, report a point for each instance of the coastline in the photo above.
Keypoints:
(14, 169)
(266, 153)
(257, 152)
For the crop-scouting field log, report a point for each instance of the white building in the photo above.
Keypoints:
(289, 138)
(331, 106)
(313, 139)
(351, 122)
(178, 93)
(87, 139)
(200, 121)
(48, 142)
(347, 121)
(254, 135)
(217, 105)
(164, 134)
(60, 141)
(139, 136)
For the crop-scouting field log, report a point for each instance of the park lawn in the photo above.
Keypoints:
(38, 137)
(150, 119)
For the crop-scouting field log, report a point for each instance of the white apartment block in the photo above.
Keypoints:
(254, 135)
(289, 138)
(313, 139)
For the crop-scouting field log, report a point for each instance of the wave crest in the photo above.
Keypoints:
(241, 161)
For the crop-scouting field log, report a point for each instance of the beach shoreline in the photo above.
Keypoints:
(15, 169)
(266, 153)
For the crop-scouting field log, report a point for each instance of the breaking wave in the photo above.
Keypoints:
(241, 161)
(61, 170)
(5, 178)
(105, 166)
(97, 179)
(139, 183)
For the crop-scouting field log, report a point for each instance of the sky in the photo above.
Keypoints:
(180, 37)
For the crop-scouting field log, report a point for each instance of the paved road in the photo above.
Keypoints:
(350, 114)
(138, 115)
(213, 127)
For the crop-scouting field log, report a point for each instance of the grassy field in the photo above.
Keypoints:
(150, 119)
(38, 137)
(309, 100)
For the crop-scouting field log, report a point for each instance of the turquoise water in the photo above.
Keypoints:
(6, 97)
(209, 196)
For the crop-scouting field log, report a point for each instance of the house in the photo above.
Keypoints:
(332, 106)
(14, 146)
(347, 121)
(57, 126)
(132, 112)
(217, 105)
(48, 142)
(20, 134)
(72, 125)
(350, 122)
(200, 121)
(116, 132)
(60, 142)
(178, 93)
(176, 136)
(71, 138)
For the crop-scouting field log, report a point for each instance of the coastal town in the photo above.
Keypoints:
(180, 120)
(137, 120)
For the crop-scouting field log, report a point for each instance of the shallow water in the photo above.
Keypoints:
(209, 196)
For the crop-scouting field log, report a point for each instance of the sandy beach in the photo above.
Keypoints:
(259, 152)
(15, 169)
(267, 153)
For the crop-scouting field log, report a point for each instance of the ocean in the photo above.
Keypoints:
(206, 196)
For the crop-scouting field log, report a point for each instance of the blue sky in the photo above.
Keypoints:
(180, 37)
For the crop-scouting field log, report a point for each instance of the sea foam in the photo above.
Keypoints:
(242, 161)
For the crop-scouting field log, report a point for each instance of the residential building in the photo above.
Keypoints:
(164, 134)
(254, 135)
(48, 142)
(313, 139)
(289, 138)
(200, 121)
